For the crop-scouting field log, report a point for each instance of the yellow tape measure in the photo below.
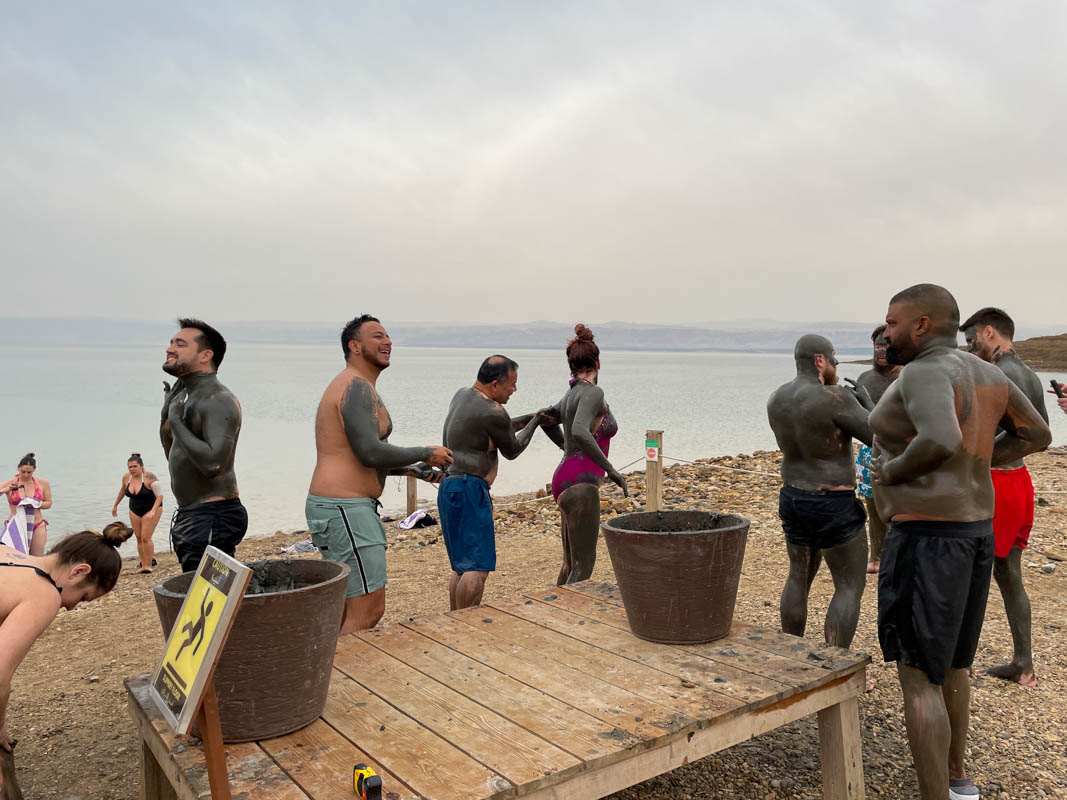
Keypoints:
(367, 783)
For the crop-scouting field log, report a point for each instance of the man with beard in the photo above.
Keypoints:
(200, 423)
(814, 422)
(875, 381)
(989, 333)
(352, 430)
(479, 431)
(935, 437)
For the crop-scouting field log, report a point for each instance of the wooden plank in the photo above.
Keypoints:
(625, 711)
(719, 687)
(683, 748)
(155, 785)
(839, 751)
(320, 761)
(252, 773)
(727, 652)
(686, 697)
(569, 728)
(424, 761)
(808, 651)
(510, 750)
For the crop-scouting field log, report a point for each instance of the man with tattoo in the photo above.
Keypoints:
(989, 333)
(352, 430)
(477, 431)
(875, 381)
(814, 422)
(935, 438)
(200, 423)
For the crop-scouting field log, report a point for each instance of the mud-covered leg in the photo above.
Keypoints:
(1009, 577)
(10, 788)
(929, 732)
(957, 694)
(848, 568)
(803, 564)
(580, 507)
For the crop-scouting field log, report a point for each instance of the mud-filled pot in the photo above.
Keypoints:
(677, 572)
(274, 671)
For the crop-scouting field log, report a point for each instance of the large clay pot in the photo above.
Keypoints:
(274, 671)
(677, 572)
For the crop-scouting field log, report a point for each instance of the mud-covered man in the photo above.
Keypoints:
(352, 428)
(989, 334)
(478, 431)
(200, 424)
(814, 421)
(935, 439)
(875, 381)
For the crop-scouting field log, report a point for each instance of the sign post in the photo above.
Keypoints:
(653, 470)
(183, 686)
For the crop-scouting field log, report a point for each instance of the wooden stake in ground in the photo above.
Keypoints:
(413, 494)
(653, 470)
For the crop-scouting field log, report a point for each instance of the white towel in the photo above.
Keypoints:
(18, 531)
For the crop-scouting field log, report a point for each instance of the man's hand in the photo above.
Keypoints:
(880, 473)
(441, 457)
(1061, 399)
(544, 417)
(176, 407)
(616, 477)
(861, 393)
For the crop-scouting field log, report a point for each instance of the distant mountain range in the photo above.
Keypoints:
(736, 335)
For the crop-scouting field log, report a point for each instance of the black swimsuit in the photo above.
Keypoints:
(38, 570)
(142, 502)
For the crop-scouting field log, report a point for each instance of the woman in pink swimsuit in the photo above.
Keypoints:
(26, 485)
(588, 426)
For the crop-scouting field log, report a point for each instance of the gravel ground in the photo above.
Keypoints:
(77, 742)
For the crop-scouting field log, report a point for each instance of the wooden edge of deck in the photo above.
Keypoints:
(685, 747)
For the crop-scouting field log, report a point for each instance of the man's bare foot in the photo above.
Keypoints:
(872, 567)
(1024, 676)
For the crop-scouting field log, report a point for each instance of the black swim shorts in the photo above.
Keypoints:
(821, 519)
(220, 523)
(932, 590)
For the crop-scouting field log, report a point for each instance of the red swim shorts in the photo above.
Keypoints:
(1013, 516)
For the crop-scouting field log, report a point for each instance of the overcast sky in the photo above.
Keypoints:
(492, 162)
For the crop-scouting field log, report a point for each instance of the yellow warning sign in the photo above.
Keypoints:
(197, 636)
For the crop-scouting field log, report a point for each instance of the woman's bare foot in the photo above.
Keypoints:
(872, 567)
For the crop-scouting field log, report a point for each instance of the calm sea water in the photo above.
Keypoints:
(83, 410)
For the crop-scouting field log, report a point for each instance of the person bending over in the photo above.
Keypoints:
(478, 431)
(935, 437)
(354, 457)
(989, 334)
(82, 567)
(814, 421)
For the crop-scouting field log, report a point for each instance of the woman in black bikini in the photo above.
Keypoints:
(146, 507)
(82, 567)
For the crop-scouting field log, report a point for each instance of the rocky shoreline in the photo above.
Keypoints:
(77, 742)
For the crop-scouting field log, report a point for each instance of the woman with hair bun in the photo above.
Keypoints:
(588, 426)
(34, 493)
(82, 567)
(146, 507)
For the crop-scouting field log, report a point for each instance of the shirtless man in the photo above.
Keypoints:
(352, 430)
(875, 381)
(935, 438)
(477, 431)
(989, 335)
(200, 423)
(814, 421)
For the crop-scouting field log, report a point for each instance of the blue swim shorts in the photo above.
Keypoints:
(467, 523)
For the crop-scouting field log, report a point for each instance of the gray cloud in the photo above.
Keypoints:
(671, 162)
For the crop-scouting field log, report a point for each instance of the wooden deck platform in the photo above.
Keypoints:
(546, 696)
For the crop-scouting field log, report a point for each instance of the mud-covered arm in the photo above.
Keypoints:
(930, 402)
(1024, 430)
(590, 406)
(551, 418)
(165, 436)
(420, 470)
(508, 443)
(850, 416)
(359, 413)
(221, 417)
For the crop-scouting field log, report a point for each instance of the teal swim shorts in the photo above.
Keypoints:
(347, 529)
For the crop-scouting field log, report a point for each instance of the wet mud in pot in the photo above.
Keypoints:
(678, 572)
(274, 672)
